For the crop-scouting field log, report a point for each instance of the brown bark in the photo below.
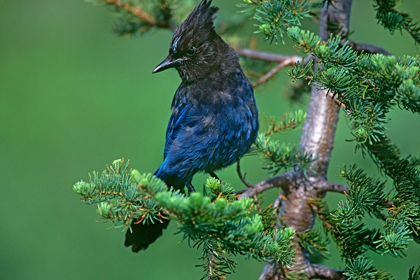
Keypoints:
(317, 138)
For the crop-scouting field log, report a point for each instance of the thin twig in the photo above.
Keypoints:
(273, 57)
(325, 223)
(238, 169)
(277, 204)
(210, 259)
(339, 103)
(265, 56)
(282, 181)
(322, 272)
(411, 32)
(287, 62)
(258, 204)
(138, 12)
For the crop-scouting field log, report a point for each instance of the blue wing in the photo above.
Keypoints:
(176, 122)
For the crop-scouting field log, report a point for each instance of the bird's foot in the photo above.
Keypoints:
(190, 188)
(212, 174)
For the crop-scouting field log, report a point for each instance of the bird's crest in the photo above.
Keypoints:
(199, 22)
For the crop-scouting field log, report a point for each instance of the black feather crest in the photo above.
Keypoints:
(201, 18)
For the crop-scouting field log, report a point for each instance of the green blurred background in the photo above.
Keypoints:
(74, 97)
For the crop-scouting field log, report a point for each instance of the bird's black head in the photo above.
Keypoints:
(196, 50)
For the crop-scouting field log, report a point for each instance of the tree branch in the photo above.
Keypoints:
(320, 125)
(334, 187)
(367, 48)
(280, 181)
(317, 138)
(338, 102)
(319, 130)
(138, 12)
(411, 32)
(322, 272)
(264, 56)
(283, 60)
(287, 62)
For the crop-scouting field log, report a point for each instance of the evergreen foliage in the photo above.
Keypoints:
(370, 86)
(313, 241)
(414, 273)
(367, 86)
(278, 156)
(393, 20)
(290, 121)
(276, 16)
(216, 221)
(352, 236)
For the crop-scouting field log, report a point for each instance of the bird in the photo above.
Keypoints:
(214, 118)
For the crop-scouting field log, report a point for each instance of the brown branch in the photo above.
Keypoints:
(277, 204)
(264, 56)
(282, 181)
(319, 130)
(322, 272)
(283, 60)
(317, 138)
(367, 48)
(325, 223)
(287, 62)
(334, 187)
(411, 32)
(339, 103)
(138, 12)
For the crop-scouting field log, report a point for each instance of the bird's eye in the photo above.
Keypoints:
(191, 51)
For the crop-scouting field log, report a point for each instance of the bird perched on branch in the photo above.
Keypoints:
(214, 117)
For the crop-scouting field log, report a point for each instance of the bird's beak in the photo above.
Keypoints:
(167, 63)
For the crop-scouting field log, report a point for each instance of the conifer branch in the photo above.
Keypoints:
(319, 130)
(282, 60)
(414, 273)
(276, 16)
(217, 220)
(322, 272)
(265, 56)
(282, 181)
(141, 15)
(279, 156)
(317, 138)
(288, 62)
(367, 48)
(274, 57)
(392, 19)
(334, 187)
(133, 10)
(289, 121)
(314, 242)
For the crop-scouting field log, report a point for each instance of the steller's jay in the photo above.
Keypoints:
(214, 117)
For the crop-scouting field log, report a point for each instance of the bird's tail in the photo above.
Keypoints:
(141, 235)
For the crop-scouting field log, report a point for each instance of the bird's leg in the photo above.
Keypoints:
(190, 187)
(212, 174)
